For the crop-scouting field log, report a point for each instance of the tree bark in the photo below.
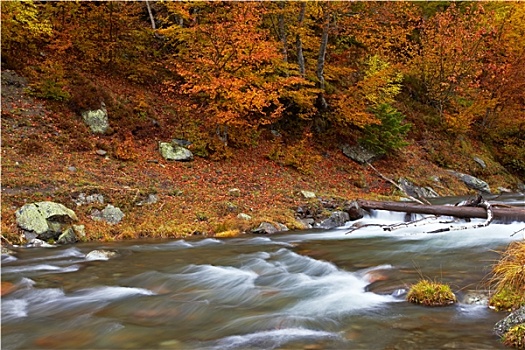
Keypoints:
(150, 13)
(282, 32)
(299, 42)
(322, 49)
(322, 56)
(503, 214)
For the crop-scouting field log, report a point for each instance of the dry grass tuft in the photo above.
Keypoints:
(508, 279)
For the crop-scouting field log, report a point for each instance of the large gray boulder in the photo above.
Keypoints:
(97, 120)
(171, 151)
(473, 182)
(44, 220)
(354, 211)
(360, 154)
(417, 191)
(513, 319)
(336, 219)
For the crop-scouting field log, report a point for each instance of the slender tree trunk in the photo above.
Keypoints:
(299, 43)
(322, 56)
(151, 18)
(282, 33)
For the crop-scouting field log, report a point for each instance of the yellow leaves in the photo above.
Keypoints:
(381, 83)
(21, 23)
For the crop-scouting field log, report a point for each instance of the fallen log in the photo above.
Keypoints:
(501, 214)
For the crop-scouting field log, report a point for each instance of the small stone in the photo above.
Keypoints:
(480, 162)
(244, 216)
(268, 228)
(72, 169)
(110, 214)
(152, 199)
(101, 152)
(38, 243)
(308, 194)
(235, 192)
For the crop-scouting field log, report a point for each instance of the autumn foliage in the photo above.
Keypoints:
(322, 69)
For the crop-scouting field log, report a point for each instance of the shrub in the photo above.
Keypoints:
(50, 90)
(301, 156)
(389, 135)
(431, 294)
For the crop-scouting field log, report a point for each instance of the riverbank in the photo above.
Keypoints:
(48, 154)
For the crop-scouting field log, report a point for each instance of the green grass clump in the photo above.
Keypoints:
(515, 337)
(431, 294)
(508, 279)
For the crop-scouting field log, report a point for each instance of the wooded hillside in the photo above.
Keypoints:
(356, 71)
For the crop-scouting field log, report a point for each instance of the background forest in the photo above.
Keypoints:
(446, 78)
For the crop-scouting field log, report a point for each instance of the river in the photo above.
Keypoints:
(316, 289)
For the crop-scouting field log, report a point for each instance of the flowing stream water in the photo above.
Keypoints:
(317, 289)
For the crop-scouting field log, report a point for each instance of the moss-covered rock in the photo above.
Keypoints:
(430, 293)
(97, 120)
(515, 337)
(45, 220)
(174, 152)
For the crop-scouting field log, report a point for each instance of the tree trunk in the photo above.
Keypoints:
(503, 214)
(150, 13)
(322, 49)
(322, 57)
(299, 43)
(282, 32)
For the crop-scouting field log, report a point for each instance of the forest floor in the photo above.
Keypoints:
(48, 154)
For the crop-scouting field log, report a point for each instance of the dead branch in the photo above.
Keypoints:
(521, 229)
(479, 202)
(422, 201)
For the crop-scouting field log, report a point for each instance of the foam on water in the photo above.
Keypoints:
(60, 254)
(272, 339)
(38, 268)
(38, 302)
(14, 309)
(495, 233)
(8, 258)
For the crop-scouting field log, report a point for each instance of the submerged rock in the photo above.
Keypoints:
(101, 255)
(475, 298)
